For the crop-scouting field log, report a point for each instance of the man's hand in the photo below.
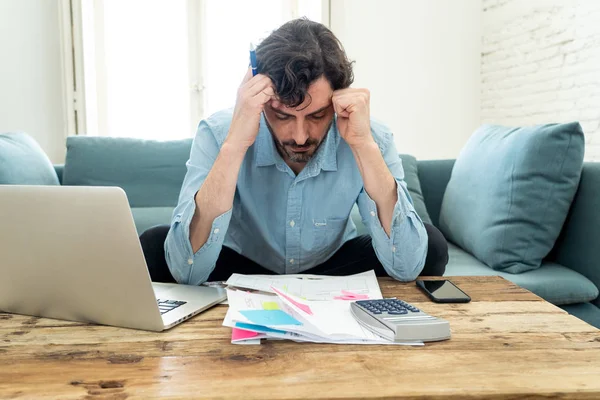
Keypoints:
(353, 111)
(252, 95)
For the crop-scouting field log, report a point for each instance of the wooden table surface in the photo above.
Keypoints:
(506, 344)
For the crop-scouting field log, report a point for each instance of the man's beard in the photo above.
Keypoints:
(286, 149)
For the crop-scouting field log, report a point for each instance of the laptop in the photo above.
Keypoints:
(73, 253)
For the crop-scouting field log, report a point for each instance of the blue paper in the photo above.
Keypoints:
(270, 317)
(256, 328)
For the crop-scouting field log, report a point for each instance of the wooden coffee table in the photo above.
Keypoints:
(506, 343)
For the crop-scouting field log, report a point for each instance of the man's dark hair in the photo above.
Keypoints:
(298, 53)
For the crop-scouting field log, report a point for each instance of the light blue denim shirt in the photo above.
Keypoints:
(288, 223)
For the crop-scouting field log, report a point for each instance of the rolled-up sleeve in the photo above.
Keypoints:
(403, 253)
(185, 265)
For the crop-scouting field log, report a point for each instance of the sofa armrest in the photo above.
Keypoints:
(434, 176)
(577, 246)
(59, 168)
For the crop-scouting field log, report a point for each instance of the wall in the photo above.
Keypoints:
(421, 61)
(541, 64)
(31, 98)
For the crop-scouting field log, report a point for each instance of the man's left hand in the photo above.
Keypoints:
(353, 112)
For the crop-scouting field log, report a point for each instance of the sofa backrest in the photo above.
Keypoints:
(151, 172)
(578, 246)
(59, 168)
(434, 176)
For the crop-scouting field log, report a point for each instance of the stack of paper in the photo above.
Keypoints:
(313, 287)
(303, 308)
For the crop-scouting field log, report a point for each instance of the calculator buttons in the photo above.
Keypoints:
(389, 306)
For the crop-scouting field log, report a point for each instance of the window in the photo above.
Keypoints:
(153, 68)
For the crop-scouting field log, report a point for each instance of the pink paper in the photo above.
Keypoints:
(347, 295)
(303, 307)
(241, 334)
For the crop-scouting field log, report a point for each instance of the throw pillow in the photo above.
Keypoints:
(23, 162)
(510, 192)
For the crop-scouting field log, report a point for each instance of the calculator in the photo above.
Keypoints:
(399, 321)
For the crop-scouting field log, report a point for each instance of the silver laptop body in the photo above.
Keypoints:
(72, 253)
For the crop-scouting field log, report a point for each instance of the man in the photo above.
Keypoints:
(271, 184)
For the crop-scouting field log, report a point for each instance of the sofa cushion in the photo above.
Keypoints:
(147, 217)
(151, 172)
(510, 192)
(552, 282)
(23, 162)
(413, 184)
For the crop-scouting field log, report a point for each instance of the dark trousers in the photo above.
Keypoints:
(356, 255)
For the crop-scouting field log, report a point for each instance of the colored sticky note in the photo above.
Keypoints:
(241, 334)
(270, 305)
(257, 328)
(270, 317)
(348, 295)
(303, 307)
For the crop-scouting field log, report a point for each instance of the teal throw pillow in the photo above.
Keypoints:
(510, 192)
(23, 162)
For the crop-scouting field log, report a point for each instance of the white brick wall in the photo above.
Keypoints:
(541, 64)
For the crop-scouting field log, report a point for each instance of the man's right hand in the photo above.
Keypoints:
(252, 95)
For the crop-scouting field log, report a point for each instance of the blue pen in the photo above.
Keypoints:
(253, 60)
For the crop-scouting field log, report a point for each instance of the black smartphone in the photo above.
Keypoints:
(443, 291)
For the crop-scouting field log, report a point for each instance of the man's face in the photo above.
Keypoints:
(298, 132)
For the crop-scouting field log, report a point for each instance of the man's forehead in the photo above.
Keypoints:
(301, 109)
(319, 96)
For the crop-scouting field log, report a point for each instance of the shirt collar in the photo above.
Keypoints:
(326, 157)
(265, 151)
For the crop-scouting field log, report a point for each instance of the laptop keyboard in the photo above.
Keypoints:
(168, 305)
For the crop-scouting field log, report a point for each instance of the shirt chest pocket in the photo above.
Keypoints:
(326, 233)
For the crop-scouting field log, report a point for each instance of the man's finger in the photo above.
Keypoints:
(264, 97)
(343, 92)
(257, 84)
(340, 111)
(250, 81)
(269, 90)
(341, 107)
(341, 103)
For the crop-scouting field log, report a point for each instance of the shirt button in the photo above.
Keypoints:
(216, 230)
(373, 213)
(292, 223)
(190, 261)
(393, 249)
(291, 260)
